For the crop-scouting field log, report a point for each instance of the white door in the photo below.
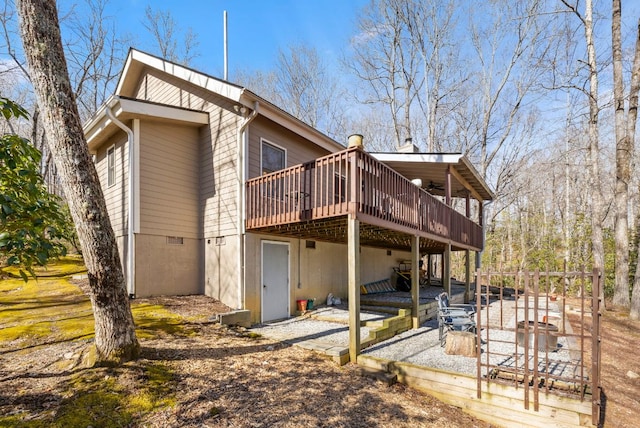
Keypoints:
(275, 280)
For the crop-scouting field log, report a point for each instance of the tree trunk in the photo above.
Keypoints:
(631, 132)
(115, 338)
(597, 198)
(623, 166)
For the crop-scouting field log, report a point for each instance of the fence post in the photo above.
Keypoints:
(478, 330)
(595, 343)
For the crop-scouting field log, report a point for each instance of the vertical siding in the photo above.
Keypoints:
(169, 180)
(298, 149)
(115, 196)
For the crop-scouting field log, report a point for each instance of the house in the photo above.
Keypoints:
(214, 190)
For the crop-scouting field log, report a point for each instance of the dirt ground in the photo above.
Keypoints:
(620, 370)
(227, 377)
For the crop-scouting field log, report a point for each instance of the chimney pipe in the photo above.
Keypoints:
(355, 140)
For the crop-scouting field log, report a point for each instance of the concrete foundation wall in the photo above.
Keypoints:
(314, 272)
(165, 268)
(221, 270)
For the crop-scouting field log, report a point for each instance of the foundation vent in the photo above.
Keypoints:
(175, 240)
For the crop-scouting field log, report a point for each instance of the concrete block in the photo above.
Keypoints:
(240, 318)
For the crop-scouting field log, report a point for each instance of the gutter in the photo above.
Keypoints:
(242, 141)
(131, 284)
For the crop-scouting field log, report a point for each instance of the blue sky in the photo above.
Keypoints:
(256, 29)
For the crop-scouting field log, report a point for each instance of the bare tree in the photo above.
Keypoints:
(115, 338)
(509, 50)
(302, 84)
(625, 126)
(598, 212)
(171, 44)
(386, 61)
(95, 52)
(431, 27)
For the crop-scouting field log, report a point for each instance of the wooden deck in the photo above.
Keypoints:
(314, 199)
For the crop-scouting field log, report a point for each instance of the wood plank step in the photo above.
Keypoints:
(388, 303)
(381, 309)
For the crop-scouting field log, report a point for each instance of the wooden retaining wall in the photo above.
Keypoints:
(390, 327)
(500, 404)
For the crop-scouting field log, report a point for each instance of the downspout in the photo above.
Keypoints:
(131, 284)
(242, 141)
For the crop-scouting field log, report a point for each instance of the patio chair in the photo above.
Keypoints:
(456, 317)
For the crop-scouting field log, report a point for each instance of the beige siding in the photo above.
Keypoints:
(218, 147)
(169, 180)
(298, 149)
(219, 176)
(167, 269)
(221, 270)
(314, 272)
(116, 196)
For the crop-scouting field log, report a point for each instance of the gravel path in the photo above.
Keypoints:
(420, 346)
(304, 329)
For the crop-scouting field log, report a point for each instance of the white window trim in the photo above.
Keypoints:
(263, 141)
(115, 177)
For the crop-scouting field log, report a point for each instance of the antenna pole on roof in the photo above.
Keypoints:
(226, 54)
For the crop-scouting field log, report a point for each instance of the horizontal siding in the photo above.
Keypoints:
(217, 147)
(116, 196)
(161, 88)
(219, 174)
(169, 180)
(298, 149)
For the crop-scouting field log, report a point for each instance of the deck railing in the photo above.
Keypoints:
(352, 182)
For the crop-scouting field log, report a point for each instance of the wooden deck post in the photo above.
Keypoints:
(446, 269)
(353, 257)
(415, 280)
(467, 258)
(467, 276)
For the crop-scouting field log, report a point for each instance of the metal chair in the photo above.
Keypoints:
(456, 317)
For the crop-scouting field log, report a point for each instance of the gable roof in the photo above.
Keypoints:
(137, 61)
(100, 126)
(431, 168)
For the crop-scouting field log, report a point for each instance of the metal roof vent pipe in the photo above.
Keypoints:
(355, 140)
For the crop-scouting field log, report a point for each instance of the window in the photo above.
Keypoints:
(273, 158)
(111, 166)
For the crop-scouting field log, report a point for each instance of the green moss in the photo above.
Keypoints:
(57, 310)
(154, 319)
(103, 408)
(157, 391)
(51, 308)
(64, 266)
(98, 397)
